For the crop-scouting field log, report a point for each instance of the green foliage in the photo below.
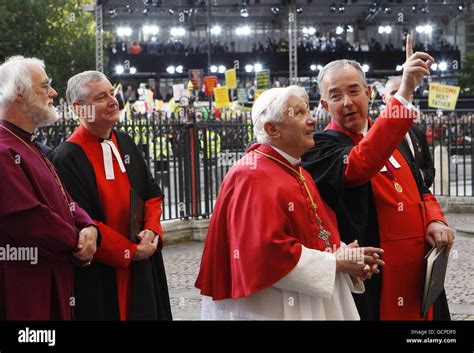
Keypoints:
(57, 31)
(466, 78)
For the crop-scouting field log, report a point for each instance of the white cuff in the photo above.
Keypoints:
(313, 275)
(404, 102)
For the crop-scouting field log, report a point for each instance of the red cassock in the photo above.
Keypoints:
(261, 218)
(116, 249)
(403, 216)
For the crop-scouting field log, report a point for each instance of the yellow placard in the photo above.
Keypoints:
(231, 79)
(263, 79)
(221, 94)
(443, 96)
(257, 93)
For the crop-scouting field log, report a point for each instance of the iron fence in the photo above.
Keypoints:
(190, 159)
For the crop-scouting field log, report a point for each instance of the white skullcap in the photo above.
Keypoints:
(263, 102)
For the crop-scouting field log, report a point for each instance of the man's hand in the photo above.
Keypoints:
(147, 245)
(415, 68)
(353, 260)
(440, 235)
(86, 245)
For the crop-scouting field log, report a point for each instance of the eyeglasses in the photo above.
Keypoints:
(46, 85)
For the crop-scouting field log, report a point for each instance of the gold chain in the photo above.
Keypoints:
(323, 233)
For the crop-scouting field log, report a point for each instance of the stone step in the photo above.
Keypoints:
(466, 230)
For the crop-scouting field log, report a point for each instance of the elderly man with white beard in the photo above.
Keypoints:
(35, 210)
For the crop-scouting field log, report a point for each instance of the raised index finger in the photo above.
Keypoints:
(409, 46)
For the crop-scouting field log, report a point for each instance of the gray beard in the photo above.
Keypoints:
(40, 115)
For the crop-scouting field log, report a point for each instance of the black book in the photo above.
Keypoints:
(136, 215)
(435, 273)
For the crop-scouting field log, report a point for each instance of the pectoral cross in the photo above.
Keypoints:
(324, 235)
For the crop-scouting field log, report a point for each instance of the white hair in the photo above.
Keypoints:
(337, 64)
(274, 112)
(392, 80)
(77, 89)
(15, 78)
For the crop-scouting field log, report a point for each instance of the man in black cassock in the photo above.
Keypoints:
(102, 168)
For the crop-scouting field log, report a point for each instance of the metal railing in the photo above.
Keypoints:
(190, 160)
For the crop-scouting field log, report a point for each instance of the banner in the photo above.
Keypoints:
(231, 79)
(209, 83)
(263, 79)
(242, 96)
(443, 96)
(195, 75)
(221, 94)
(179, 91)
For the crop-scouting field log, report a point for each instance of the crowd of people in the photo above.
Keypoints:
(309, 43)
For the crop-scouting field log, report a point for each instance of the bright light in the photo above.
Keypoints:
(248, 68)
(257, 67)
(385, 29)
(216, 30)
(434, 67)
(339, 30)
(365, 68)
(153, 30)
(309, 30)
(242, 31)
(399, 68)
(443, 66)
(319, 67)
(124, 31)
(119, 69)
(244, 12)
(133, 70)
(171, 70)
(349, 29)
(213, 68)
(313, 67)
(179, 69)
(177, 31)
(424, 29)
(222, 69)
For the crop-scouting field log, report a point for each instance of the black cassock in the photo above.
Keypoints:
(95, 287)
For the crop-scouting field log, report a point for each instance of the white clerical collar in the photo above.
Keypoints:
(108, 147)
(292, 160)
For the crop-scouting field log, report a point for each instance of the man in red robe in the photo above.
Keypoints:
(369, 182)
(107, 175)
(37, 216)
(273, 249)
